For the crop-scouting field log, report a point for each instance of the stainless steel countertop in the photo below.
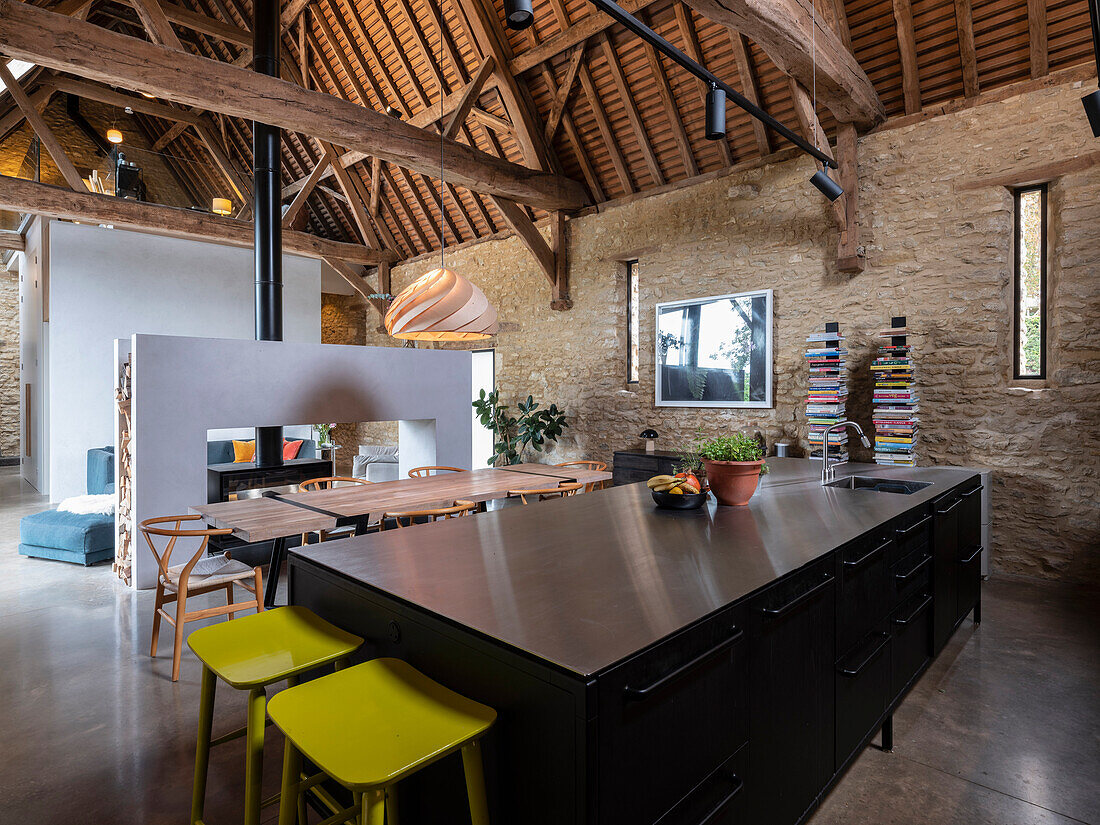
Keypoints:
(585, 582)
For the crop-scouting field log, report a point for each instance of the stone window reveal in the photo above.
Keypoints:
(1029, 321)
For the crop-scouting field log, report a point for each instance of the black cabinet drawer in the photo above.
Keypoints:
(669, 717)
(912, 532)
(629, 475)
(629, 468)
(863, 594)
(912, 646)
(862, 688)
(792, 654)
(717, 800)
(911, 575)
(969, 580)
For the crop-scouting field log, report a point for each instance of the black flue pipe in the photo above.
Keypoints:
(267, 214)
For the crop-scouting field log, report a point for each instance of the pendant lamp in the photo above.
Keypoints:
(441, 305)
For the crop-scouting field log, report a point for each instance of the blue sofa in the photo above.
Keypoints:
(73, 537)
(221, 452)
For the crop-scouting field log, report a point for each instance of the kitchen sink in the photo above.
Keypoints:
(879, 485)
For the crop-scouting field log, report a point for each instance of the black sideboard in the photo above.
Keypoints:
(631, 466)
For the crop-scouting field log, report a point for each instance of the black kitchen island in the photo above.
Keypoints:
(715, 666)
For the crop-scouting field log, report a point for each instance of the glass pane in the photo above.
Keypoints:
(1029, 272)
(713, 351)
(632, 307)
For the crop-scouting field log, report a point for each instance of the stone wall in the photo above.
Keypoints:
(937, 253)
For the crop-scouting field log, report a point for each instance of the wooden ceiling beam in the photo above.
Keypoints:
(189, 19)
(387, 238)
(1037, 38)
(12, 240)
(518, 221)
(686, 26)
(399, 196)
(907, 47)
(850, 253)
(836, 16)
(291, 11)
(304, 193)
(174, 131)
(49, 141)
(812, 131)
(785, 29)
(64, 44)
(40, 99)
(54, 202)
(156, 24)
(344, 61)
(626, 98)
(968, 54)
(750, 87)
(672, 110)
(561, 97)
(103, 94)
(359, 283)
(469, 96)
(358, 208)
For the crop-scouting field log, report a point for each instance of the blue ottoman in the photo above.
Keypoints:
(55, 534)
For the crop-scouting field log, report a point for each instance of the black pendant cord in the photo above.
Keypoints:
(639, 28)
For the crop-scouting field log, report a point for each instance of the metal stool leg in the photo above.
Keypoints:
(254, 755)
(202, 748)
(475, 783)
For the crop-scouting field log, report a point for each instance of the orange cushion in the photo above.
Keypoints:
(243, 451)
(290, 449)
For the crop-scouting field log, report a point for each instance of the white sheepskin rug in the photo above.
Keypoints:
(103, 505)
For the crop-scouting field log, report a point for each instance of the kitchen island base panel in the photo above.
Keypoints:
(747, 716)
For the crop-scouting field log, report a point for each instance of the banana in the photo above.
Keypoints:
(661, 481)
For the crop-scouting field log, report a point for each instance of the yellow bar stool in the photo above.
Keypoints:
(251, 653)
(371, 725)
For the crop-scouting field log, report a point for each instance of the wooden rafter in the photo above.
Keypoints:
(968, 54)
(812, 131)
(561, 97)
(611, 142)
(174, 131)
(291, 10)
(32, 34)
(850, 254)
(690, 37)
(469, 97)
(785, 29)
(45, 134)
(907, 47)
(11, 240)
(358, 208)
(750, 88)
(156, 24)
(626, 98)
(1037, 37)
(675, 120)
(357, 280)
(40, 99)
(304, 193)
(53, 202)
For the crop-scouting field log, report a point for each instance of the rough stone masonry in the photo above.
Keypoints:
(937, 253)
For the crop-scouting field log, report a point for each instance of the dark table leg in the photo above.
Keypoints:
(278, 556)
(888, 734)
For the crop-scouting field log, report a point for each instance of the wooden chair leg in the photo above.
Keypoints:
(475, 783)
(259, 590)
(177, 648)
(158, 603)
(229, 598)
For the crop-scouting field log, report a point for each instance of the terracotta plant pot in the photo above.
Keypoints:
(733, 482)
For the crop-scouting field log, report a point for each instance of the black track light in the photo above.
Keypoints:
(826, 185)
(519, 14)
(1091, 103)
(393, 111)
(716, 113)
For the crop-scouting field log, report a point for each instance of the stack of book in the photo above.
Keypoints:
(828, 393)
(895, 399)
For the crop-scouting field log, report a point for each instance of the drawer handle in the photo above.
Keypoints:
(776, 612)
(912, 527)
(920, 565)
(969, 493)
(947, 510)
(859, 562)
(919, 609)
(977, 552)
(855, 671)
(634, 694)
(725, 800)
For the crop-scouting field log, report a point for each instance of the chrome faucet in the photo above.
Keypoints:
(827, 471)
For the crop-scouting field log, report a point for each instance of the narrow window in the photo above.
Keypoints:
(632, 326)
(1030, 292)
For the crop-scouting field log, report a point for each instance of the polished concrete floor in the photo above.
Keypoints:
(1004, 729)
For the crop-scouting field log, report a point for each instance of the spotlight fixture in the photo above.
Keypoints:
(716, 113)
(519, 14)
(826, 185)
(114, 135)
(393, 111)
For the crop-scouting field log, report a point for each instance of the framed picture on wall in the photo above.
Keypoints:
(715, 352)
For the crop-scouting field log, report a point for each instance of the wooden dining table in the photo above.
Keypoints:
(276, 517)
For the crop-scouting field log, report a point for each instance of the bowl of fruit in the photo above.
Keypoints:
(679, 492)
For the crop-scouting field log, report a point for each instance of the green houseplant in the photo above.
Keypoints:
(733, 465)
(534, 427)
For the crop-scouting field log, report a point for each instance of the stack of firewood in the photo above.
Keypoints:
(124, 519)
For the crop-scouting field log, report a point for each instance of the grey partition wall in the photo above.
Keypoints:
(183, 387)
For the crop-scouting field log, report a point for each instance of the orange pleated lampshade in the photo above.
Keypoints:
(441, 306)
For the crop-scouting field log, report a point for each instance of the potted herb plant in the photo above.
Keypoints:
(733, 464)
